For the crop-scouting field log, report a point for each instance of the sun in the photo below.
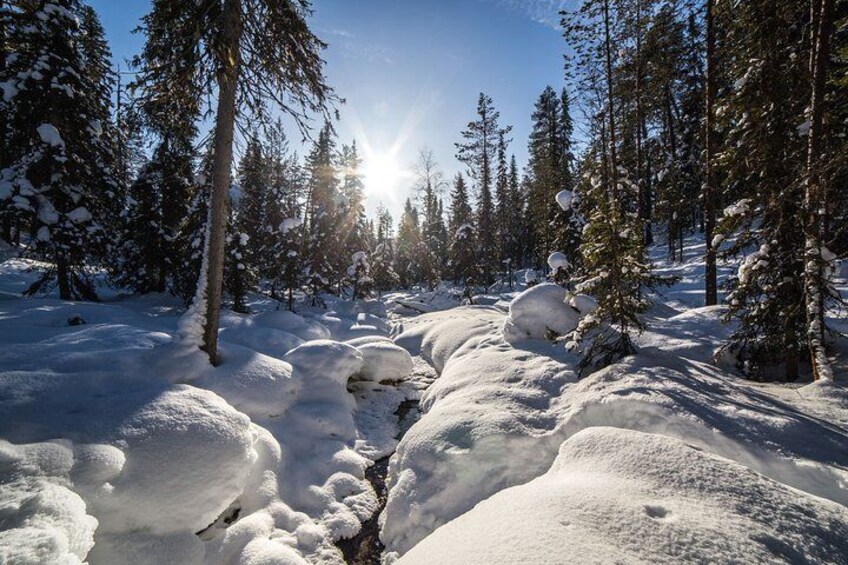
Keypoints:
(381, 174)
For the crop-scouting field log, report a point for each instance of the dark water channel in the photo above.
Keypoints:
(365, 548)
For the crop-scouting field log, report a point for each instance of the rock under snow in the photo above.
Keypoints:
(384, 362)
(539, 312)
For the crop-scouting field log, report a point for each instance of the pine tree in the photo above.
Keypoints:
(408, 248)
(257, 52)
(58, 173)
(478, 153)
(614, 265)
(463, 245)
(764, 163)
(322, 246)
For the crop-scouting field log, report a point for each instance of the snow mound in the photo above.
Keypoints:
(357, 341)
(437, 336)
(154, 493)
(384, 362)
(487, 419)
(294, 324)
(539, 312)
(270, 341)
(623, 496)
(42, 519)
(331, 359)
(498, 414)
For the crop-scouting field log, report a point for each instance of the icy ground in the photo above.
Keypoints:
(118, 445)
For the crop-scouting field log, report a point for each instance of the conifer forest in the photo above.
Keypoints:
(462, 282)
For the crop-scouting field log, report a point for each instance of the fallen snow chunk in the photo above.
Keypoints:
(583, 303)
(79, 215)
(289, 224)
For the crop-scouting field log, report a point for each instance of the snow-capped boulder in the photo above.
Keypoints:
(188, 456)
(329, 359)
(539, 311)
(384, 362)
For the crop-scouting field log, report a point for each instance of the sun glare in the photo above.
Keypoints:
(381, 173)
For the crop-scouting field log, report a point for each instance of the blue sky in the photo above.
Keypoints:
(411, 72)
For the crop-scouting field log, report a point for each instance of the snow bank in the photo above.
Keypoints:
(486, 418)
(622, 496)
(539, 312)
(498, 414)
(178, 458)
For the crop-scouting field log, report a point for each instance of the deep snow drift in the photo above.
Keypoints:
(121, 446)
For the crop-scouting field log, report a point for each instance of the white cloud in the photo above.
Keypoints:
(545, 12)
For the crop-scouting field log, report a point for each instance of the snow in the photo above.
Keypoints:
(50, 135)
(44, 521)
(289, 224)
(558, 260)
(539, 312)
(384, 362)
(616, 495)
(515, 460)
(565, 199)
(119, 444)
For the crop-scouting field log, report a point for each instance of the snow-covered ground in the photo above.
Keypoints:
(119, 445)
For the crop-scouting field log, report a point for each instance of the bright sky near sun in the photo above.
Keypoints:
(411, 71)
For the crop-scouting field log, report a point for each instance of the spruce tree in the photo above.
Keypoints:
(615, 270)
(764, 164)
(408, 252)
(463, 245)
(58, 174)
(322, 247)
(478, 152)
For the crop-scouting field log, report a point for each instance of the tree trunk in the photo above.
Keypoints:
(709, 196)
(610, 107)
(221, 172)
(814, 283)
(63, 276)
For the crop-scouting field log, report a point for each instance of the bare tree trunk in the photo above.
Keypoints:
(640, 193)
(709, 190)
(610, 107)
(63, 276)
(814, 197)
(221, 173)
